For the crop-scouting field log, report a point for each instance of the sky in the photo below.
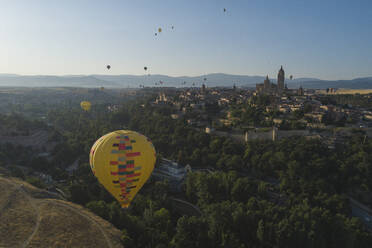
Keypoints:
(326, 39)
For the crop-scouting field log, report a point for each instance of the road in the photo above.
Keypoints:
(361, 211)
(187, 205)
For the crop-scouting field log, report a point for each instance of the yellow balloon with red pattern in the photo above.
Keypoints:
(122, 161)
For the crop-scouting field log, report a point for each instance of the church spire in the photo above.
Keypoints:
(281, 78)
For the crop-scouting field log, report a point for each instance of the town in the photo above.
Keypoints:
(272, 111)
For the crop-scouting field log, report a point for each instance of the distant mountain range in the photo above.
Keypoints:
(215, 79)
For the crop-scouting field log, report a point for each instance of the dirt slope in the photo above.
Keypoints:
(30, 217)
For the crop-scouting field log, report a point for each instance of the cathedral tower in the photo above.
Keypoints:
(267, 82)
(281, 76)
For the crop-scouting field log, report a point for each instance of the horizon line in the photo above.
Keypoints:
(140, 75)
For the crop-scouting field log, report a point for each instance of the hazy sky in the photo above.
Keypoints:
(328, 39)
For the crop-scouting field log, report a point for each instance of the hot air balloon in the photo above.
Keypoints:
(224, 10)
(122, 161)
(172, 27)
(156, 34)
(85, 105)
(145, 68)
(94, 148)
(291, 77)
(159, 30)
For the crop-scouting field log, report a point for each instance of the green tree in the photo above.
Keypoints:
(191, 232)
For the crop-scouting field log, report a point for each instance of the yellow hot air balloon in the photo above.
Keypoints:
(93, 149)
(122, 161)
(85, 105)
(159, 30)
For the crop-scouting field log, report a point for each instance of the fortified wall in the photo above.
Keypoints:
(273, 134)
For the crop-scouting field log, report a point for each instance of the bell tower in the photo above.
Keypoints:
(267, 83)
(281, 76)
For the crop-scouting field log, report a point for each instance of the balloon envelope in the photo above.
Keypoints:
(122, 161)
(108, 67)
(85, 105)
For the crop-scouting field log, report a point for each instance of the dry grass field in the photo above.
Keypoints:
(29, 218)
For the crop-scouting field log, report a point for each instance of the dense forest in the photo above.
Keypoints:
(288, 193)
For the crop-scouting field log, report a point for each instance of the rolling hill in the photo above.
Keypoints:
(133, 81)
(30, 217)
(357, 83)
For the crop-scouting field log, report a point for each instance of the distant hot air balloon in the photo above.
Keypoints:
(145, 68)
(159, 30)
(85, 105)
(172, 27)
(108, 67)
(122, 161)
(224, 10)
(291, 77)
(156, 34)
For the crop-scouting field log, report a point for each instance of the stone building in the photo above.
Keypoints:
(270, 88)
